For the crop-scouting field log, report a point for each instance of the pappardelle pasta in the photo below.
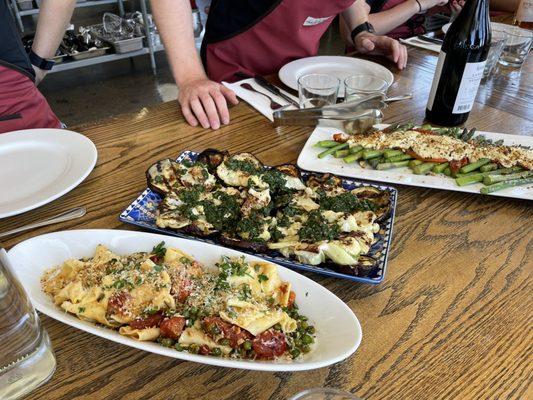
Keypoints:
(236, 308)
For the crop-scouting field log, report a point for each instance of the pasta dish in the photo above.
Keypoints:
(236, 308)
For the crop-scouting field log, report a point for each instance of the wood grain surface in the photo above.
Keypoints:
(452, 319)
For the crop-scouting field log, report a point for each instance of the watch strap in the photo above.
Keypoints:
(40, 62)
(364, 27)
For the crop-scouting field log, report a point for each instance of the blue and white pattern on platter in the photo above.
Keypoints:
(142, 213)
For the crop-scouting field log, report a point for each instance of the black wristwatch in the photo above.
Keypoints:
(39, 62)
(364, 27)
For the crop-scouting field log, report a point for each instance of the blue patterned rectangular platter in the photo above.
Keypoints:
(142, 213)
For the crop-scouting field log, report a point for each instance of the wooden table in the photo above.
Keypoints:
(450, 320)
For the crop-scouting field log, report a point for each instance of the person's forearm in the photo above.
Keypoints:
(386, 21)
(504, 5)
(174, 22)
(54, 17)
(355, 15)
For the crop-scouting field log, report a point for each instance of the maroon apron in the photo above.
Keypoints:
(290, 31)
(22, 106)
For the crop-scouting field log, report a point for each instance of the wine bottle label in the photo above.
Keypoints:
(436, 80)
(466, 94)
(468, 89)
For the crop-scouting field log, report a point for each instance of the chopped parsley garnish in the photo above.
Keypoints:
(262, 278)
(242, 165)
(158, 267)
(346, 203)
(158, 179)
(160, 250)
(120, 283)
(275, 180)
(185, 260)
(245, 293)
(81, 309)
(317, 228)
(237, 267)
(150, 310)
(138, 281)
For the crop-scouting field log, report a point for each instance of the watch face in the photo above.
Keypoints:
(370, 27)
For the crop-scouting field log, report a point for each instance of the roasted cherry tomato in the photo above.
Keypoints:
(456, 165)
(270, 344)
(215, 326)
(148, 322)
(292, 298)
(172, 327)
(117, 303)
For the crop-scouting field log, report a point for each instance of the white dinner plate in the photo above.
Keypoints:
(337, 328)
(339, 66)
(308, 160)
(495, 25)
(40, 165)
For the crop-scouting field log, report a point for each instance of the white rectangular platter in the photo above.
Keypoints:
(309, 160)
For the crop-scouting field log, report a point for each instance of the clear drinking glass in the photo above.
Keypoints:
(324, 394)
(517, 47)
(499, 38)
(361, 85)
(317, 90)
(26, 356)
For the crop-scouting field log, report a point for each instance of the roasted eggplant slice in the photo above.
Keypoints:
(381, 199)
(288, 169)
(325, 181)
(293, 178)
(257, 247)
(212, 158)
(237, 169)
(163, 176)
(366, 266)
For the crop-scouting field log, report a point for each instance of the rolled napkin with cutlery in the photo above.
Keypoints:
(424, 42)
(260, 98)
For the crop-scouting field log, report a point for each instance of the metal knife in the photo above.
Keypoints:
(274, 89)
(430, 39)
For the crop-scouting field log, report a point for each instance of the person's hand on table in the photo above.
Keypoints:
(206, 102)
(368, 43)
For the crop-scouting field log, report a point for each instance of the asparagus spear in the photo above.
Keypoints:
(326, 143)
(353, 157)
(368, 154)
(473, 166)
(447, 171)
(389, 153)
(488, 167)
(355, 149)
(479, 176)
(439, 168)
(390, 165)
(401, 157)
(424, 168)
(505, 185)
(492, 179)
(341, 153)
(414, 163)
(333, 149)
(375, 161)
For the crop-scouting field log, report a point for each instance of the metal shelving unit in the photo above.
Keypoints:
(66, 65)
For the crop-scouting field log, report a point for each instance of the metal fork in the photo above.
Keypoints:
(273, 104)
(65, 216)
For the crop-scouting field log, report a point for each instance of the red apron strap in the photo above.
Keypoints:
(291, 31)
(22, 106)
